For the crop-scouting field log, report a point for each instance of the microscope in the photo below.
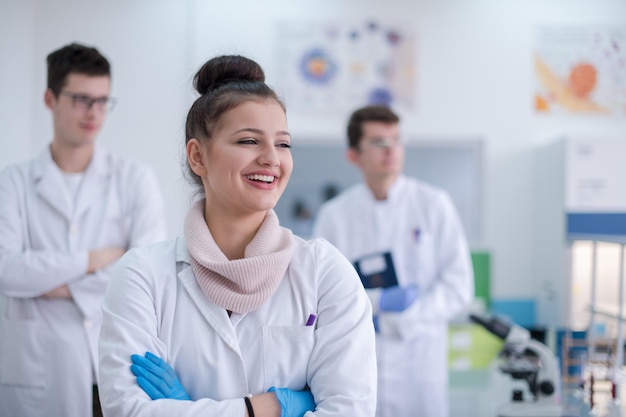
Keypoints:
(526, 359)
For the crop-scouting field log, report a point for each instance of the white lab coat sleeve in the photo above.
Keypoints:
(374, 295)
(27, 273)
(453, 288)
(131, 322)
(342, 366)
(147, 226)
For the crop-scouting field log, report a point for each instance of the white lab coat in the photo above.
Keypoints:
(155, 304)
(48, 347)
(420, 227)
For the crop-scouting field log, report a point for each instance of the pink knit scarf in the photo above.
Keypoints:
(240, 285)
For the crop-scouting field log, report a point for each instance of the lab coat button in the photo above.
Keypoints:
(72, 229)
(88, 324)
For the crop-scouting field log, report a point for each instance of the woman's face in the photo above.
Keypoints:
(248, 161)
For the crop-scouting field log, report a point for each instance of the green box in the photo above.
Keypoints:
(481, 261)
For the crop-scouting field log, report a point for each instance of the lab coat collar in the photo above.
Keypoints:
(181, 251)
(48, 180)
(215, 315)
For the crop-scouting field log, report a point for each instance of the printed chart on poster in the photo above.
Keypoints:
(580, 70)
(331, 66)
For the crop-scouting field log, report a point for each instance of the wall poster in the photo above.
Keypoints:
(580, 70)
(331, 66)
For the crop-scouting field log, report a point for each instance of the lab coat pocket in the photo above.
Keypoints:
(286, 353)
(22, 353)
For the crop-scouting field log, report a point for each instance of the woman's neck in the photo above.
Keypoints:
(232, 233)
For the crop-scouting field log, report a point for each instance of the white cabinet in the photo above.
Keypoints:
(580, 195)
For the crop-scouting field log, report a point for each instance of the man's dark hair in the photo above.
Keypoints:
(368, 114)
(74, 58)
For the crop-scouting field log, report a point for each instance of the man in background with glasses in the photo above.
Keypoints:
(407, 243)
(66, 217)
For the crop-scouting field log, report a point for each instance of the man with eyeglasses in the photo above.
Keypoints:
(407, 243)
(66, 217)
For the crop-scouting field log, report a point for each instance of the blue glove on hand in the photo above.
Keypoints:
(293, 403)
(397, 299)
(157, 378)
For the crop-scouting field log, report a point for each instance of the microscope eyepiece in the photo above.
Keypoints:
(495, 326)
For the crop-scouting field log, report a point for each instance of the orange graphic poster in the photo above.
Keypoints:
(580, 70)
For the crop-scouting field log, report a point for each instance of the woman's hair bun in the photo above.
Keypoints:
(224, 69)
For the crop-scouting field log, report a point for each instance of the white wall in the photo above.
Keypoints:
(16, 47)
(475, 79)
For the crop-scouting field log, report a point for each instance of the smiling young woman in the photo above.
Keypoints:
(238, 316)
(244, 168)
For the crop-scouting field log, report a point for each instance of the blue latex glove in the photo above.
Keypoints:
(293, 403)
(397, 299)
(157, 378)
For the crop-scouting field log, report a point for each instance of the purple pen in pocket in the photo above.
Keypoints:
(311, 320)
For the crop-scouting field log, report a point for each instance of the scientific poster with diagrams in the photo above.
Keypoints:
(580, 70)
(331, 66)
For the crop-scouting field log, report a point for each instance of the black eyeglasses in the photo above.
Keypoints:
(84, 102)
(383, 143)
